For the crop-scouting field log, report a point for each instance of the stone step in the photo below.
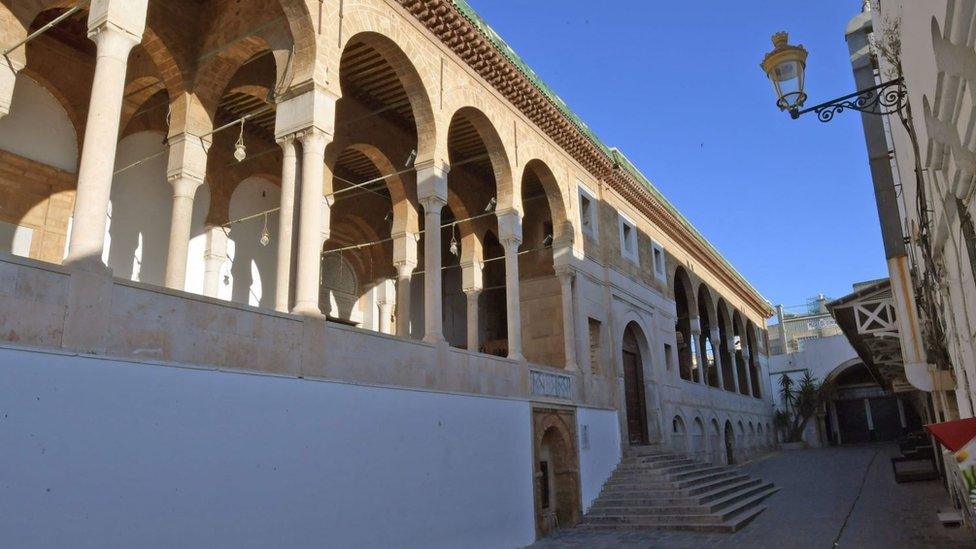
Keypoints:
(649, 449)
(733, 524)
(689, 506)
(699, 471)
(699, 478)
(653, 488)
(700, 488)
(670, 497)
(640, 463)
(654, 516)
(657, 472)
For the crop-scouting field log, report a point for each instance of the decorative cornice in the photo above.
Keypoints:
(471, 45)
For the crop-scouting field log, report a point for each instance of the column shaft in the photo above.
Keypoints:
(310, 224)
(404, 276)
(433, 298)
(717, 351)
(513, 303)
(97, 164)
(184, 189)
(745, 358)
(569, 320)
(286, 223)
(702, 357)
(474, 328)
(213, 259)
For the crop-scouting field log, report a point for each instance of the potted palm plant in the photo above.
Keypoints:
(801, 399)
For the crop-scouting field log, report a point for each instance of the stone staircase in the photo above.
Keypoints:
(654, 488)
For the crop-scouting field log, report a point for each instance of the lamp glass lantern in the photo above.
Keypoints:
(785, 66)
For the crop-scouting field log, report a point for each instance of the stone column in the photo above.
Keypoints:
(694, 326)
(745, 359)
(385, 300)
(473, 323)
(715, 338)
(116, 29)
(310, 227)
(472, 283)
(404, 276)
(185, 172)
(510, 235)
(213, 260)
(286, 223)
(566, 278)
(405, 261)
(735, 366)
(432, 194)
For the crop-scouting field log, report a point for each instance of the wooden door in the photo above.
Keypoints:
(634, 396)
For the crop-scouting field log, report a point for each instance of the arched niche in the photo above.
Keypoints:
(250, 275)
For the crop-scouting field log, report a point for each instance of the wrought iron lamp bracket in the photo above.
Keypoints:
(885, 98)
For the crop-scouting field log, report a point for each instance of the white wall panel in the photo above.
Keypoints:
(99, 453)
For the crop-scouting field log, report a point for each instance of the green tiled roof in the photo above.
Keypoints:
(612, 152)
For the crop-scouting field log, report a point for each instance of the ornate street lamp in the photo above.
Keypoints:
(785, 66)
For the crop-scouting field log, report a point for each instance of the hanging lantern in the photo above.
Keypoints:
(453, 248)
(240, 151)
(265, 233)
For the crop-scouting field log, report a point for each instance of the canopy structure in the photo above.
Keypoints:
(953, 434)
(867, 318)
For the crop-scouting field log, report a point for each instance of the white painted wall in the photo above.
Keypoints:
(196, 253)
(140, 211)
(38, 127)
(252, 271)
(100, 453)
(601, 457)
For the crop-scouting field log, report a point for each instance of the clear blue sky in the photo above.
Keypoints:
(676, 85)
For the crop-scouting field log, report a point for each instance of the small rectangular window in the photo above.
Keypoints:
(588, 211)
(660, 269)
(668, 360)
(628, 238)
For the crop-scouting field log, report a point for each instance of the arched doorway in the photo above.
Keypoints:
(557, 498)
(634, 387)
(729, 444)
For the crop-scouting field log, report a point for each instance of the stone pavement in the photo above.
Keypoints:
(818, 490)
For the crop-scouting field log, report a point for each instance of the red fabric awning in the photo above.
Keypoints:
(953, 434)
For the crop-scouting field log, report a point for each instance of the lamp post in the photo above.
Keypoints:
(786, 65)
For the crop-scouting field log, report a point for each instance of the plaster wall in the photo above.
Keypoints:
(38, 127)
(251, 271)
(140, 211)
(599, 450)
(142, 455)
(937, 58)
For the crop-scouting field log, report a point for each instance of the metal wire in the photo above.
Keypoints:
(45, 28)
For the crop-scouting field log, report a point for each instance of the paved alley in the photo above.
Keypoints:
(845, 495)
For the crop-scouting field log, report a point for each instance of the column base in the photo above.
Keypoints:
(88, 264)
(516, 356)
(435, 339)
(307, 309)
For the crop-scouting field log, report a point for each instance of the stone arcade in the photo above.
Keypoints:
(360, 262)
